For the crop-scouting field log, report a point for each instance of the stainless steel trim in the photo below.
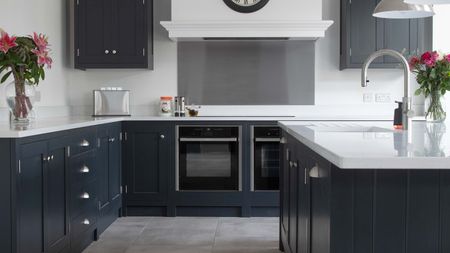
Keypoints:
(177, 155)
(209, 139)
(268, 140)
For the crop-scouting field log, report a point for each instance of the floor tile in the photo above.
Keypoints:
(168, 249)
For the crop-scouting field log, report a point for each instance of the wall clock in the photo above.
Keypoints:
(246, 6)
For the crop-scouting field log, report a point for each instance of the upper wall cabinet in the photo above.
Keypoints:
(363, 34)
(113, 34)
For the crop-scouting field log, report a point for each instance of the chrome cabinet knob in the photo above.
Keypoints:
(162, 136)
(52, 157)
(86, 222)
(114, 51)
(85, 143)
(85, 169)
(85, 195)
(112, 139)
(106, 51)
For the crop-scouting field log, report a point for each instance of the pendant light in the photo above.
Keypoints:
(428, 1)
(397, 9)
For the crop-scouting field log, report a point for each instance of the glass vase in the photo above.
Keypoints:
(20, 99)
(434, 107)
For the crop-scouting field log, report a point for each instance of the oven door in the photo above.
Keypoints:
(266, 164)
(211, 164)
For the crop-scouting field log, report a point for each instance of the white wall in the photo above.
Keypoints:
(23, 17)
(441, 37)
(274, 10)
(66, 86)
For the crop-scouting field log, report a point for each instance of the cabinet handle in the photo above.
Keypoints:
(85, 169)
(314, 172)
(85, 143)
(52, 157)
(162, 136)
(112, 139)
(306, 177)
(114, 51)
(106, 51)
(291, 164)
(86, 222)
(295, 165)
(85, 195)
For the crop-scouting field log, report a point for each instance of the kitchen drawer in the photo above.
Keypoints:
(82, 241)
(83, 196)
(83, 142)
(82, 168)
(86, 220)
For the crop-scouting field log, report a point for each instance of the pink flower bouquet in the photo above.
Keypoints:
(25, 59)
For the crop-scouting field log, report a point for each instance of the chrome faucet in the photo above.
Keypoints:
(406, 110)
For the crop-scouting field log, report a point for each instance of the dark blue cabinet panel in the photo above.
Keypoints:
(363, 34)
(113, 34)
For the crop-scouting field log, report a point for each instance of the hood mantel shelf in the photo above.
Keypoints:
(238, 30)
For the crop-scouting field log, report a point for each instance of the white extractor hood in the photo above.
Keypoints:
(197, 20)
(247, 30)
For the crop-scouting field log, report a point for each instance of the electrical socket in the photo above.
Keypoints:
(383, 97)
(368, 97)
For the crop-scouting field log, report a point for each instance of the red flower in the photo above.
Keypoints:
(7, 42)
(43, 58)
(41, 41)
(413, 62)
(429, 58)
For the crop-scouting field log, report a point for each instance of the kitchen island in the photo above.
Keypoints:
(363, 187)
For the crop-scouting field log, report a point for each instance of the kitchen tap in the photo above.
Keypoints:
(407, 113)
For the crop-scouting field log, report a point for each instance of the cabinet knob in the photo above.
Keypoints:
(162, 136)
(106, 51)
(85, 143)
(86, 222)
(291, 164)
(52, 157)
(114, 51)
(112, 139)
(85, 169)
(85, 195)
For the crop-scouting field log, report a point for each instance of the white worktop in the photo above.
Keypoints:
(375, 145)
(51, 125)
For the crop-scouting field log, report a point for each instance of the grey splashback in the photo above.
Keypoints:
(247, 72)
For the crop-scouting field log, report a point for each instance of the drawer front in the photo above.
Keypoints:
(86, 220)
(83, 143)
(82, 197)
(83, 168)
(82, 241)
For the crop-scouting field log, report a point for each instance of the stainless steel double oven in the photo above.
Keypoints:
(209, 158)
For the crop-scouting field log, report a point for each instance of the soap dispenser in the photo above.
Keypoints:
(398, 116)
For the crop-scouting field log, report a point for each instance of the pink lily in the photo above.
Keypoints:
(7, 42)
(43, 58)
(41, 41)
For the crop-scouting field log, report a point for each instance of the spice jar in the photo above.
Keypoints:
(165, 106)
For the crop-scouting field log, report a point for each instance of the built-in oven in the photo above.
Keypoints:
(208, 158)
(265, 158)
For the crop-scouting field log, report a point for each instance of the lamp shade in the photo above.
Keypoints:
(428, 1)
(397, 9)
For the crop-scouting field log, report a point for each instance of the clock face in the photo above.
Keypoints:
(246, 2)
(246, 6)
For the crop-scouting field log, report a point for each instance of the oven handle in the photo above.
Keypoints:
(267, 139)
(208, 139)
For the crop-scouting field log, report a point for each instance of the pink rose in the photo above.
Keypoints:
(413, 62)
(429, 58)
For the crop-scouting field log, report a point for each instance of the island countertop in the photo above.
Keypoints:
(375, 145)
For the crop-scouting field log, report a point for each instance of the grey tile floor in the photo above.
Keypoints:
(189, 235)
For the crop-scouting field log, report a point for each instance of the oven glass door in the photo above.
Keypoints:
(266, 165)
(209, 165)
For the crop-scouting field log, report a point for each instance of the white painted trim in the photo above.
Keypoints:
(294, 30)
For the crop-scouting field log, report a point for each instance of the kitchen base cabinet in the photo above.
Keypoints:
(50, 202)
(361, 210)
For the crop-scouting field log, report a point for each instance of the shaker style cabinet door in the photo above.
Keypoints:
(113, 34)
(362, 34)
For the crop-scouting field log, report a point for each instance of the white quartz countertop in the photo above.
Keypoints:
(50, 125)
(375, 145)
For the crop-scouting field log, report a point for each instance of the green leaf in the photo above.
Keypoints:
(418, 92)
(6, 76)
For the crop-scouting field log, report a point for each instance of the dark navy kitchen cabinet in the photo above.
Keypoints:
(149, 155)
(109, 153)
(363, 34)
(43, 217)
(113, 34)
(347, 210)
